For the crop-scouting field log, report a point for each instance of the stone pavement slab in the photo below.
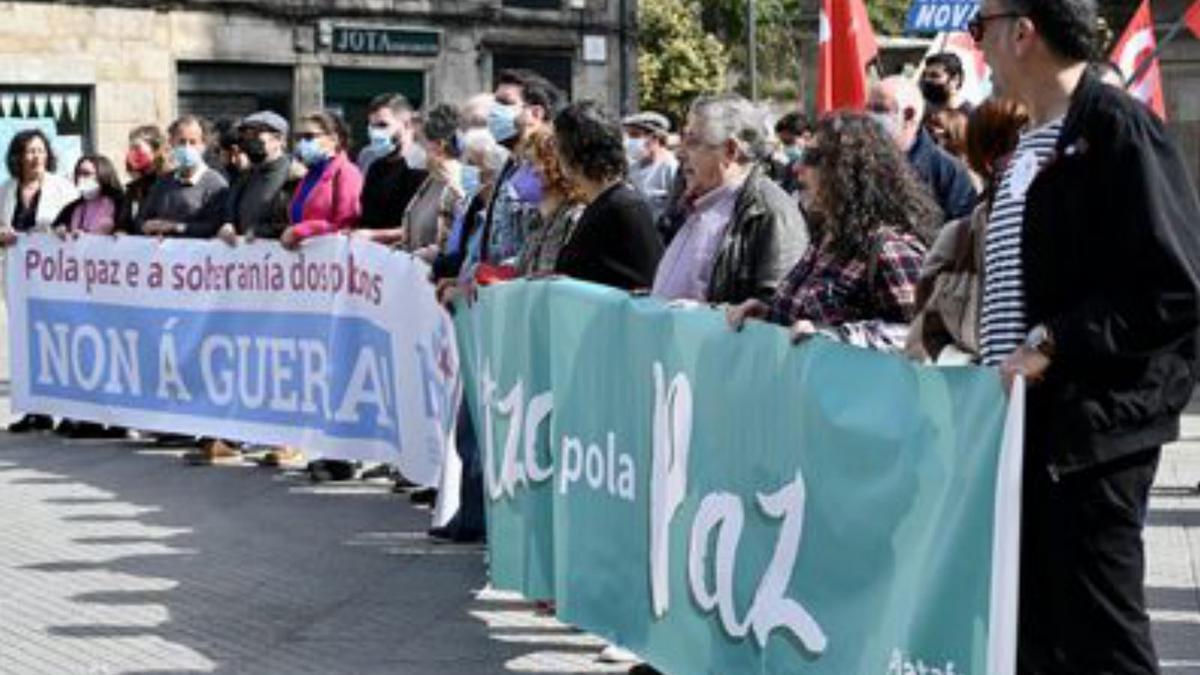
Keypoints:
(117, 558)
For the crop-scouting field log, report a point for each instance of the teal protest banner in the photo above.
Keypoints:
(724, 502)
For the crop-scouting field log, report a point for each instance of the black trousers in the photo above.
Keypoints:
(1082, 598)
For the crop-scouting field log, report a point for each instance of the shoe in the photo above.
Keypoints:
(213, 452)
(30, 423)
(116, 432)
(452, 535)
(644, 669)
(174, 440)
(378, 471)
(615, 654)
(331, 470)
(427, 497)
(283, 456)
(89, 430)
(66, 428)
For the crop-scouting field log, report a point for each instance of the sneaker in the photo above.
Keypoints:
(30, 423)
(213, 452)
(89, 430)
(328, 470)
(644, 669)
(174, 440)
(451, 535)
(615, 654)
(378, 471)
(427, 497)
(66, 428)
(282, 456)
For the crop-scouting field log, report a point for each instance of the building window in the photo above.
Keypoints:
(534, 4)
(554, 66)
(219, 91)
(64, 114)
(349, 91)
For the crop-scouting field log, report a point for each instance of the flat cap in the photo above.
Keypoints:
(266, 119)
(653, 122)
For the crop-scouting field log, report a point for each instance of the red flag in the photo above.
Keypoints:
(847, 45)
(1135, 46)
(1192, 18)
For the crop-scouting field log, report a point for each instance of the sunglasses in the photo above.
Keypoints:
(977, 26)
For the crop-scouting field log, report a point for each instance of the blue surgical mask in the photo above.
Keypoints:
(187, 157)
(527, 184)
(469, 178)
(382, 139)
(635, 149)
(310, 152)
(502, 122)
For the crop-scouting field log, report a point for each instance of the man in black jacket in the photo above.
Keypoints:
(389, 182)
(258, 201)
(1092, 293)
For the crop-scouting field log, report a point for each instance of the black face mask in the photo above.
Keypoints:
(255, 149)
(935, 92)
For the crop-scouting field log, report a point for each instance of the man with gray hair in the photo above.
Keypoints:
(898, 105)
(742, 232)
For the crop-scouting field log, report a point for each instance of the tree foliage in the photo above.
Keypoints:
(677, 60)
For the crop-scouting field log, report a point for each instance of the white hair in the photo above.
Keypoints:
(907, 94)
(479, 143)
(730, 117)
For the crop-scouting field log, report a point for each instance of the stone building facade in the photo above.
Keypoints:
(91, 71)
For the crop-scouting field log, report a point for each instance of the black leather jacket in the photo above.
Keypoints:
(765, 238)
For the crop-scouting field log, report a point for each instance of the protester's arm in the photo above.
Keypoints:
(1154, 212)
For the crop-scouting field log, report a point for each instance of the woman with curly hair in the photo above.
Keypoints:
(541, 182)
(615, 242)
(872, 223)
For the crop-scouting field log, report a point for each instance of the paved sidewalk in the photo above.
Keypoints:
(115, 558)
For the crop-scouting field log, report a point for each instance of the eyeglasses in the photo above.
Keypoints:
(978, 24)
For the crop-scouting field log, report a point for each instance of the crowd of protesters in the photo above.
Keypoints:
(1050, 232)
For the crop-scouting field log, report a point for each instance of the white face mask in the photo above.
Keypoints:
(88, 188)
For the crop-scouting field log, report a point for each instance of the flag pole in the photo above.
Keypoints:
(1173, 33)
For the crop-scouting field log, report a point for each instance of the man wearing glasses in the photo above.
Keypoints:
(1092, 293)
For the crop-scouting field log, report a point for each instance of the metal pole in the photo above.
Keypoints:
(752, 48)
(1162, 44)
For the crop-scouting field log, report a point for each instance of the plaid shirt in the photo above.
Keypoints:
(838, 298)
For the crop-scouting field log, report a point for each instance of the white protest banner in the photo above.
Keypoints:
(339, 348)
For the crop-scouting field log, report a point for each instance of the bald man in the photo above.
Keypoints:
(898, 105)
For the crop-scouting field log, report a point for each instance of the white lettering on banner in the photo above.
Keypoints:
(602, 469)
(282, 374)
(367, 385)
(668, 481)
(771, 608)
(901, 665)
(168, 366)
(942, 16)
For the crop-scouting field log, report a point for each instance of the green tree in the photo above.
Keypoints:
(678, 60)
(887, 16)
